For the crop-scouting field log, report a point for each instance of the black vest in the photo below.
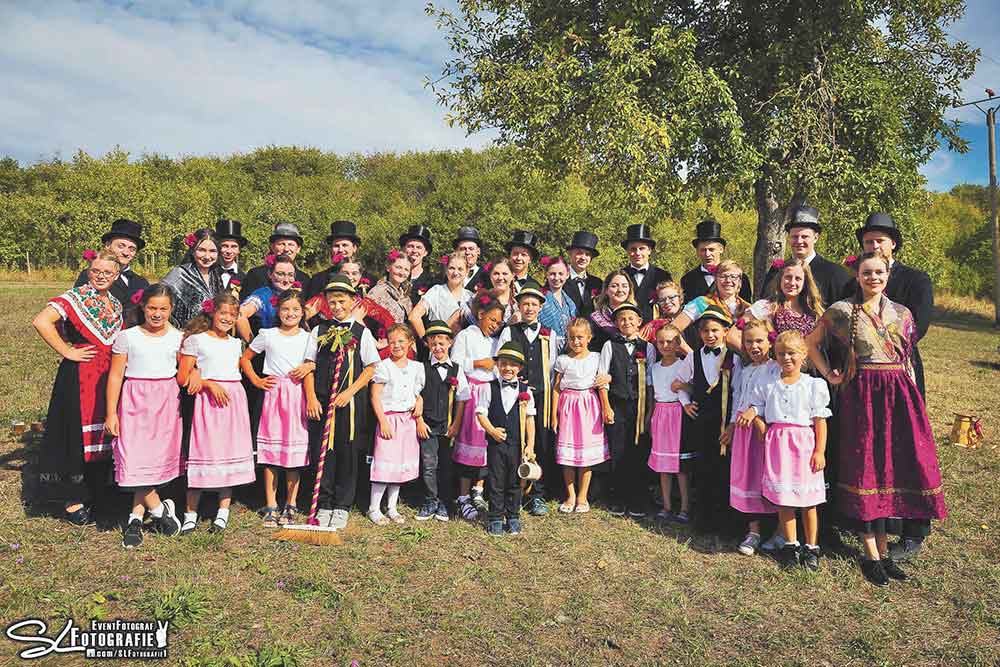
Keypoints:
(709, 403)
(435, 394)
(625, 371)
(511, 421)
(532, 371)
(326, 364)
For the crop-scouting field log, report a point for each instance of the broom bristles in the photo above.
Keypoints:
(316, 535)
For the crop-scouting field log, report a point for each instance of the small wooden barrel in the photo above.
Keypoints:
(18, 428)
(529, 470)
(37, 427)
(966, 431)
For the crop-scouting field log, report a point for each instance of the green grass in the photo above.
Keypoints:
(576, 590)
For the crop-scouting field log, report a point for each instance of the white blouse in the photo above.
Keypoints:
(281, 353)
(577, 374)
(218, 358)
(402, 385)
(798, 403)
(661, 377)
(441, 304)
(149, 357)
(746, 379)
(471, 344)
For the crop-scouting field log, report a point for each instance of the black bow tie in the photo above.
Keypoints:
(231, 272)
(712, 350)
(533, 326)
(441, 364)
(622, 339)
(338, 323)
(512, 384)
(579, 280)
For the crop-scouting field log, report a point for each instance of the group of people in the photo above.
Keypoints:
(495, 392)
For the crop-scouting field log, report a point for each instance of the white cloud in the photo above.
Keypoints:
(177, 78)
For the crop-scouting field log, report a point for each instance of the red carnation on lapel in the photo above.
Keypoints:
(297, 284)
(712, 269)
(524, 396)
(453, 381)
(640, 354)
(365, 281)
(90, 255)
(487, 267)
(545, 331)
(137, 297)
(235, 282)
(595, 292)
(337, 258)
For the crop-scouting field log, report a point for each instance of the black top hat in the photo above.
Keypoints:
(230, 229)
(122, 228)
(524, 239)
(286, 230)
(584, 241)
(708, 230)
(467, 234)
(805, 216)
(530, 288)
(343, 229)
(881, 222)
(638, 233)
(417, 233)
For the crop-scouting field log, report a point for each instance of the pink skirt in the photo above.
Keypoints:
(746, 473)
(788, 479)
(665, 430)
(147, 451)
(581, 442)
(221, 453)
(397, 460)
(470, 445)
(282, 437)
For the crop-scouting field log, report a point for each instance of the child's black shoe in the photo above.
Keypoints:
(132, 535)
(874, 572)
(892, 570)
(788, 557)
(809, 557)
(494, 527)
(80, 517)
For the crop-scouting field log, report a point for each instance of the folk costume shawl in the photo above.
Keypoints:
(190, 291)
(884, 335)
(90, 320)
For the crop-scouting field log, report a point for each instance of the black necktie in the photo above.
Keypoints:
(712, 350)
(512, 384)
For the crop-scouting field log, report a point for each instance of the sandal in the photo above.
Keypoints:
(218, 525)
(566, 508)
(287, 516)
(582, 508)
(270, 517)
(188, 526)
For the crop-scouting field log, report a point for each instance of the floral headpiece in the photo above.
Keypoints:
(208, 306)
(393, 255)
(444, 260)
(778, 264)
(545, 261)
(772, 336)
(297, 284)
(851, 260)
(90, 255)
(190, 240)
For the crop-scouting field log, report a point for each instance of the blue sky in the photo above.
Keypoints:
(223, 76)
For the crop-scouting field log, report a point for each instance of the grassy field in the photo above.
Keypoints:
(577, 590)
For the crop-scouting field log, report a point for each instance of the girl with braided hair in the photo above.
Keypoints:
(888, 464)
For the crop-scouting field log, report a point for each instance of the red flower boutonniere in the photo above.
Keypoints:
(488, 267)
(234, 282)
(524, 396)
(208, 306)
(778, 264)
(90, 255)
(444, 260)
(851, 260)
(269, 260)
(545, 331)
(365, 281)
(545, 261)
(137, 297)
(295, 285)
(453, 381)
(190, 239)
(712, 269)
(640, 354)
(421, 291)
(594, 292)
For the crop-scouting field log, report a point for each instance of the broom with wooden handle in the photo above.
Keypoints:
(311, 532)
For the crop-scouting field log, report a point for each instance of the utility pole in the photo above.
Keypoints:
(991, 116)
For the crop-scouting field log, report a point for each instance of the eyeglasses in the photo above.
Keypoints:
(283, 274)
(102, 274)
(731, 277)
(672, 297)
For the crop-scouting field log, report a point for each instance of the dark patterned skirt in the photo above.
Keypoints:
(888, 465)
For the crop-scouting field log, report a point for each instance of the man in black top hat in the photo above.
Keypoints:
(123, 240)
(468, 243)
(803, 232)
(344, 244)
(912, 288)
(582, 287)
(416, 245)
(231, 242)
(639, 245)
(523, 251)
(710, 245)
(285, 240)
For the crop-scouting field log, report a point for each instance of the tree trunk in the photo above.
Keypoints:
(771, 220)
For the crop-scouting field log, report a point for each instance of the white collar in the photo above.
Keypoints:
(644, 269)
(573, 274)
(234, 267)
(810, 257)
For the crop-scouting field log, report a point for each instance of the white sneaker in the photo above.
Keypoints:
(749, 544)
(774, 544)
(338, 519)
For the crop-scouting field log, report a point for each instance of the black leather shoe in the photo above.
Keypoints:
(80, 517)
(788, 557)
(905, 549)
(874, 572)
(892, 570)
(809, 557)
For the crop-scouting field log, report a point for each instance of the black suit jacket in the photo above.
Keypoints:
(585, 303)
(694, 285)
(123, 293)
(832, 280)
(480, 278)
(646, 289)
(912, 288)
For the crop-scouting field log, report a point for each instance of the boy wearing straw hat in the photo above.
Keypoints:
(506, 412)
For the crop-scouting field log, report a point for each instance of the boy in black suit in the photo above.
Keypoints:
(582, 287)
(640, 245)
(231, 242)
(710, 245)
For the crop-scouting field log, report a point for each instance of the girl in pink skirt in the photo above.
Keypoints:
(473, 350)
(578, 415)
(143, 412)
(282, 436)
(220, 454)
(795, 409)
(664, 422)
(752, 369)
(397, 403)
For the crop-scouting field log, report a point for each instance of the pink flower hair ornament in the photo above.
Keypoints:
(393, 255)
(545, 261)
(778, 264)
(89, 255)
(270, 259)
(851, 260)
(297, 284)
(772, 336)
(137, 297)
(444, 260)
(190, 240)
(208, 306)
